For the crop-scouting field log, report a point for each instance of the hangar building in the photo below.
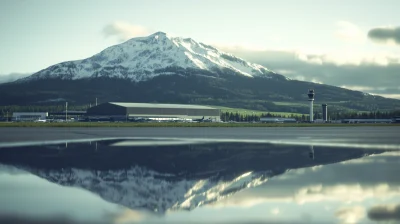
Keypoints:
(154, 111)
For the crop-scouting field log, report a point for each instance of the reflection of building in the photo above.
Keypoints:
(154, 111)
(277, 120)
(311, 154)
(29, 116)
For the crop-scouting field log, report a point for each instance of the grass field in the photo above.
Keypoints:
(292, 104)
(116, 124)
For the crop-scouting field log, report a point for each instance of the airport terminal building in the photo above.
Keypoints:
(120, 111)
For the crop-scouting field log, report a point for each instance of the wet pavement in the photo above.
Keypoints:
(387, 135)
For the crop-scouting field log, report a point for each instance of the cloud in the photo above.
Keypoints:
(128, 216)
(351, 214)
(312, 56)
(349, 58)
(359, 88)
(384, 212)
(310, 186)
(345, 193)
(349, 32)
(275, 211)
(389, 95)
(239, 46)
(12, 77)
(386, 35)
(124, 31)
(349, 69)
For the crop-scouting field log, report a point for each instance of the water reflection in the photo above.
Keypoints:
(131, 180)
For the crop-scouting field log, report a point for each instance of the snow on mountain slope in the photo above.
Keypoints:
(141, 188)
(143, 58)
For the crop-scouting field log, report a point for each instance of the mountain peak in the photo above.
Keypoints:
(142, 58)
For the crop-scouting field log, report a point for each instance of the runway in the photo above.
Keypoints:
(316, 135)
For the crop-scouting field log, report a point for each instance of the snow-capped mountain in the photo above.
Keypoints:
(142, 58)
(141, 188)
(164, 69)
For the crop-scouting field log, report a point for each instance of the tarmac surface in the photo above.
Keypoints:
(385, 136)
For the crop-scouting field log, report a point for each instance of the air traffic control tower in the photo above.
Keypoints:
(311, 94)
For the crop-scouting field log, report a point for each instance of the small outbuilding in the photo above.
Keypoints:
(29, 116)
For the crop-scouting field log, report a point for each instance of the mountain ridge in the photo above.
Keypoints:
(142, 58)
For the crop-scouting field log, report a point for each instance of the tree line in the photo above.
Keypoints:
(225, 116)
(238, 117)
(8, 110)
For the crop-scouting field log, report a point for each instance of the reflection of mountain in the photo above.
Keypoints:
(165, 177)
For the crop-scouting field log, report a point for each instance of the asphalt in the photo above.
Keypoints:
(316, 135)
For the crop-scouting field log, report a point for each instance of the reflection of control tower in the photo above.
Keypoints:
(311, 154)
(311, 99)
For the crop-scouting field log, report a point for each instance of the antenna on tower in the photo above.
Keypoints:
(96, 101)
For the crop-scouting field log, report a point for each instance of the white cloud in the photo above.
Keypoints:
(275, 211)
(358, 68)
(124, 30)
(238, 46)
(349, 32)
(354, 193)
(358, 88)
(339, 57)
(285, 72)
(394, 96)
(372, 90)
(314, 80)
(12, 77)
(349, 58)
(344, 193)
(350, 214)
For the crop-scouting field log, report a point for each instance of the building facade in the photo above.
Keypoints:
(277, 120)
(29, 116)
(116, 110)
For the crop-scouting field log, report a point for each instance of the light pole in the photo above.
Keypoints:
(66, 111)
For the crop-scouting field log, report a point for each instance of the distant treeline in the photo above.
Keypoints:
(229, 116)
(225, 116)
(4, 110)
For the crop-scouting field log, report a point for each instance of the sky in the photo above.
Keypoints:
(353, 44)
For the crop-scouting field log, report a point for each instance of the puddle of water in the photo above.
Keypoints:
(193, 181)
